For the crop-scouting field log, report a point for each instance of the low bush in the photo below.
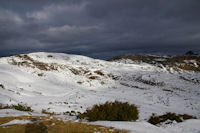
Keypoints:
(99, 72)
(112, 111)
(155, 120)
(19, 107)
(50, 56)
(22, 107)
(71, 113)
(2, 86)
(48, 113)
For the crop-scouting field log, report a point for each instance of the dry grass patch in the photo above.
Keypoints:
(52, 125)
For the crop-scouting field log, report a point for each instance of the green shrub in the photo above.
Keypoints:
(169, 117)
(112, 111)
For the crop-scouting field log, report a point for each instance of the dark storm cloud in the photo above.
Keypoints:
(99, 28)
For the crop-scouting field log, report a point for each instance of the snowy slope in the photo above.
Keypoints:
(189, 126)
(61, 82)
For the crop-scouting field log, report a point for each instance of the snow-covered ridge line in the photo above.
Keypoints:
(170, 63)
(61, 82)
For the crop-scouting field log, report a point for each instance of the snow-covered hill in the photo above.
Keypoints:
(60, 82)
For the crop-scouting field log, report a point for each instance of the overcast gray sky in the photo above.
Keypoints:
(99, 28)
